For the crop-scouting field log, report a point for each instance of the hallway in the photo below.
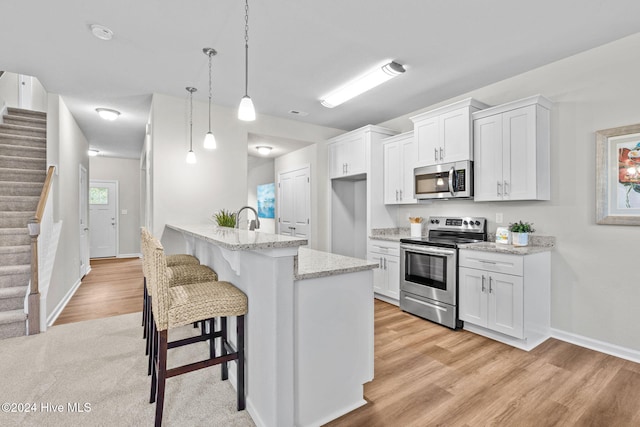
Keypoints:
(114, 286)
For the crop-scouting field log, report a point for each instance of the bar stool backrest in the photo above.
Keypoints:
(159, 288)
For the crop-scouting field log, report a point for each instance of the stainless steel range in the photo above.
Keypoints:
(429, 268)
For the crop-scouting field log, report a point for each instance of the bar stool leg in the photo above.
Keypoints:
(240, 361)
(212, 340)
(144, 307)
(153, 366)
(162, 375)
(224, 368)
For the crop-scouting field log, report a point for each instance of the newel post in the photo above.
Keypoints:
(34, 291)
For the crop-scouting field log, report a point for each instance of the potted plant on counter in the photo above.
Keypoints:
(520, 233)
(225, 218)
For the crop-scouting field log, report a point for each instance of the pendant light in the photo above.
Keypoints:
(209, 139)
(246, 111)
(191, 156)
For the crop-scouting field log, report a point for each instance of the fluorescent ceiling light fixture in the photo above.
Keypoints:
(263, 149)
(367, 81)
(108, 114)
(93, 153)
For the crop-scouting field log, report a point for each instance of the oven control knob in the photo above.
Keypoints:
(437, 221)
(478, 223)
(433, 221)
(465, 222)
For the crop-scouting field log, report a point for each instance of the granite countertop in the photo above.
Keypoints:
(536, 244)
(236, 239)
(390, 234)
(312, 264)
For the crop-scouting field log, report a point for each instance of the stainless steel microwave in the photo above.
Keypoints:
(444, 181)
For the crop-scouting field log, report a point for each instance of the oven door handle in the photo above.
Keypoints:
(452, 171)
(428, 250)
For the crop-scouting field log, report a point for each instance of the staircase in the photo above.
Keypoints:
(22, 174)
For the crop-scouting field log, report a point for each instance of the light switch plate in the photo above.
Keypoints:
(124, 212)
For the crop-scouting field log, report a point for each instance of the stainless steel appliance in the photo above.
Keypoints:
(429, 267)
(444, 181)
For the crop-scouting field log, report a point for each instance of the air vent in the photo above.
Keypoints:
(298, 113)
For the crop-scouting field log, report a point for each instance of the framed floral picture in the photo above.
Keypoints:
(618, 175)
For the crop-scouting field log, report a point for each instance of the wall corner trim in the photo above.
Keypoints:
(53, 316)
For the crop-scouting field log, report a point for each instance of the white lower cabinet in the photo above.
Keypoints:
(506, 297)
(386, 278)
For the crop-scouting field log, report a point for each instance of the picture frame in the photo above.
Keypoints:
(618, 175)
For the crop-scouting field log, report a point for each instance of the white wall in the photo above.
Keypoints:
(260, 171)
(9, 87)
(185, 193)
(127, 173)
(67, 147)
(316, 157)
(594, 286)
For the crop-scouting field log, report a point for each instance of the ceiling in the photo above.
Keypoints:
(299, 51)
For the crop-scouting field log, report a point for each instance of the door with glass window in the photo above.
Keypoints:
(103, 219)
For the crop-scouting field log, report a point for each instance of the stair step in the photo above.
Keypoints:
(22, 130)
(12, 298)
(15, 255)
(22, 175)
(15, 219)
(13, 188)
(18, 203)
(22, 140)
(23, 151)
(13, 162)
(13, 111)
(14, 236)
(13, 324)
(14, 275)
(33, 122)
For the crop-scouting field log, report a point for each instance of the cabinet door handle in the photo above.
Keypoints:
(505, 187)
(396, 195)
(380, 263)
(435, 154)
(483, 288)
(441, 157)
(385, 263)
(400, 195)
(499, 191)
(490, 287)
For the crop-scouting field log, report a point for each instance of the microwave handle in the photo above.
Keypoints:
(452, 171)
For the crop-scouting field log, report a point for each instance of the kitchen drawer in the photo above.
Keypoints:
(491, 261)
(384, 247)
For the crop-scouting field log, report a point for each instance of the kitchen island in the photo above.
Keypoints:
(309, 329)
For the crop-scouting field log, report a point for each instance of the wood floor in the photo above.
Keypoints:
(428, 375)
(113, 286)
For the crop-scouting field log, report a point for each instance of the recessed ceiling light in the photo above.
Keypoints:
(263, 149)
(101, 32)
(108, 114)
(93, 153)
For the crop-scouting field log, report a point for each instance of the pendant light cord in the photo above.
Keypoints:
(190, 120)
(246, 48)
(210, 55)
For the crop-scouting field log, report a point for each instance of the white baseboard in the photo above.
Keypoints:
(53, 316)
(139, 255)
(601, 346)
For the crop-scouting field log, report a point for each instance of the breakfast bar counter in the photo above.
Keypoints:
(309, 329)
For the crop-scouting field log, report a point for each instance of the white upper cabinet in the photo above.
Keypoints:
(511, 150)
(445, 135)
(348, 156)
(399, 153)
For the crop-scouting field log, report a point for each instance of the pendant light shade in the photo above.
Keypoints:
(191, 156)
(246, 112)
(209, 139)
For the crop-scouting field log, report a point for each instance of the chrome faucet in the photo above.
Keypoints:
(255, 223)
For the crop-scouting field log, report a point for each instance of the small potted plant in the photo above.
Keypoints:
(225, 218)
(520, 233)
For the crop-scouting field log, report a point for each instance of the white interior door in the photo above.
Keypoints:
(294, 202)
(83, 191)
(25, 92)
(103, 209)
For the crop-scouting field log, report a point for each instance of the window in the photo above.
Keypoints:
(98, 196)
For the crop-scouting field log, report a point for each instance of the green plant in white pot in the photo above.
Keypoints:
(520, 233)
(225, 218)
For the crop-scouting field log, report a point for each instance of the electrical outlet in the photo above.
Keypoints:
(499, 218)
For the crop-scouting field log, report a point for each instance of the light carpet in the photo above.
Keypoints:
(99, 367)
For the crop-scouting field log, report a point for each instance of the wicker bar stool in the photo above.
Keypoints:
(177, 274)
(185, 304)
